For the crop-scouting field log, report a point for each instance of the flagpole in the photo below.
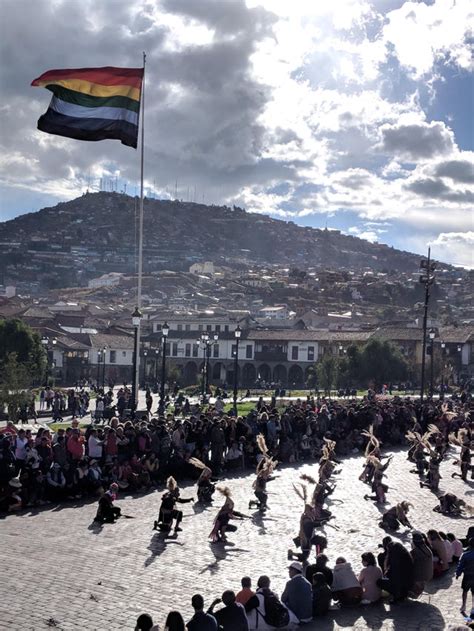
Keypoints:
(140, 244)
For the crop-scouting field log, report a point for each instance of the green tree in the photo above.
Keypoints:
(14, 391)
(327, 370)
(380, 362)
(18, 338)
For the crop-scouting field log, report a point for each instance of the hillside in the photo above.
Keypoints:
(68, 244)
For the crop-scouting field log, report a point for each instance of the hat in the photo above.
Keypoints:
(15, 483)
(296, 566)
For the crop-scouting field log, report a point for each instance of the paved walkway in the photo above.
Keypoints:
(59, 570)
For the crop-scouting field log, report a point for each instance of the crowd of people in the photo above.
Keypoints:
(204, 443)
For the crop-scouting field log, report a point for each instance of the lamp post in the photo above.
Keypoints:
(165, 329)
(145, 353)
(136, 317)
(206, 345)
(156, 369)
(237, 334)
(459, 349)
(426, 279)
(441, 390)
(99, 357)
(49, 360)
(104, 356)
(432, 335)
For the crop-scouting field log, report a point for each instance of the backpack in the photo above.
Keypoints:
(276, 614)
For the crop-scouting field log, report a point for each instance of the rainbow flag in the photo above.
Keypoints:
(93, 103)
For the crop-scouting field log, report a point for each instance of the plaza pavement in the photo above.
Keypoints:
(60, 570)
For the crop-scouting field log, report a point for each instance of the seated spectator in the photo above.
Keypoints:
(398, 571)
(320, 566)
(466, 567)
(264, 609)
(440, 554)
(246, 592)
(345, 588)
(10, 497)
(55, 483)
(232, 616)
(174, 622)
(447, 545)
(422, 563)
(234, 457)
(368, 578)
(457, 546)
(322, 595)
(94, 477)
(145, 623)
(201, 621)
(298, 595)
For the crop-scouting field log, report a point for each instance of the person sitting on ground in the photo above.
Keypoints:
(457, 546)
(396, 516)
(368, 577)
(320, 566)
(345, 588)
(422, 562)
(466, 567)
(201, 621)
(232, 616)
(55, 483)
(145, 623)
(398, 571)
(246, 592)
(440, 554)
(107, 513)
(298, 595)
(322, 595)
(174, 622)
(264, 610)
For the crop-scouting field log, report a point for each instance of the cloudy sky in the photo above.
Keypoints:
(353, 114)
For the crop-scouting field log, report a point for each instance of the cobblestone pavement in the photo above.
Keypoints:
(57, 566)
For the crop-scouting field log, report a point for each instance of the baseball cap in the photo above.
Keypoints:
(296, 566)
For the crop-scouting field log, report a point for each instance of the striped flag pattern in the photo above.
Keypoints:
(93, 103)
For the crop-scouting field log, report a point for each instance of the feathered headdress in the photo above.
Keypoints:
(308, 478)
(373, 443)
(225, 491)
(262, 445)
(301, 492)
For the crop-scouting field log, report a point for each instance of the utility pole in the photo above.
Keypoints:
(426, 279)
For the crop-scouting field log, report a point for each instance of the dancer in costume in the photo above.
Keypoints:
(462, 440)
(378, 486)
(168, 513)
(107, 513)
(434, 476)
(265, 468)
(396, 517)
(327, 462)
(306, 537)
(372, 450)
(450, 504)
(205, 484)
(225, 514)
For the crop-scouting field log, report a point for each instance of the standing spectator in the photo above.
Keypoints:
(174, 622)
(94, 445)
(20, 450)
(145, 623)
(466, 567)
(201, 621)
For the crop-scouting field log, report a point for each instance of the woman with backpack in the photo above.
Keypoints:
(266, 612)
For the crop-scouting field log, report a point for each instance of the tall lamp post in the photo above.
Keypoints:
(145, 353)
(99, 357)
(432, 335)
(104, 357)
(426, 279)
(136, 317)
(441, 390)
(165, 329)
(459, 349)
(155, 385)
(207, 344)
(237, 334)
(49, 360)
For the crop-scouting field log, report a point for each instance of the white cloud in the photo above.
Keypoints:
(455, 247)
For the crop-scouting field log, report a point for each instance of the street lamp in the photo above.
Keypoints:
(237, 334)
(99, 357)
(136, 318)
(165, 329)
(443, 349)
(157, 352)
(49, 354)
(426, 279)
(432, 335)
(206, 345)
(145, 353)
(104, 357)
